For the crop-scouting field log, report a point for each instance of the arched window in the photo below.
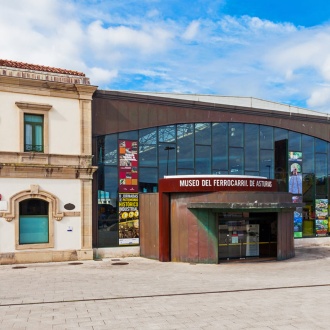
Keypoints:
(33, 221)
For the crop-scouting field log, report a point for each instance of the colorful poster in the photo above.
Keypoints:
(128, 166)
(298, 222)
(295, 178)
(128, 205)
(321, 217)
(128, 219)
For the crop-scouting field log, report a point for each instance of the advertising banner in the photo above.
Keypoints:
(321, 217)
(128, 219)
(295, 168)
(295, 187)
(128, 166)
(128, 205)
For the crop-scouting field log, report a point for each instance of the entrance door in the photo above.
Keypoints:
(232, 239)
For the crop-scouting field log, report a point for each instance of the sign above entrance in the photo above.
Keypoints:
(205, 183)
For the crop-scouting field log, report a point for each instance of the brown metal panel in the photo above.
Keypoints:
(203, 236)
(175, 230)
(149, 231)
(193, 239)
(285, 240)
(117, 111)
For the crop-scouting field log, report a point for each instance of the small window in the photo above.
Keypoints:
(33, 222)
(33, 133)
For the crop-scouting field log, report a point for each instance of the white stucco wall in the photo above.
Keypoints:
(67, 191)
(64, 123)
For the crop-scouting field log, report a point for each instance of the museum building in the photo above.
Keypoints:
(175, 173)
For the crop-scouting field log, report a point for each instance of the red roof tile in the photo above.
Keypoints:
(27, 66)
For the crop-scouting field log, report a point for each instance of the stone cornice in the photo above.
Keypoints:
(33, 106)
(46, 171)
(46, 88)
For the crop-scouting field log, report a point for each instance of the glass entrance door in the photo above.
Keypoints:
(232, 239)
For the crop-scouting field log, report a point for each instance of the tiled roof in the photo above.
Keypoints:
(27, 66)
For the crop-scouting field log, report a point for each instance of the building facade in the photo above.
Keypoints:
(45, 164)
(138, 138)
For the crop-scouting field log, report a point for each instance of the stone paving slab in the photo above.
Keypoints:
(147, 294)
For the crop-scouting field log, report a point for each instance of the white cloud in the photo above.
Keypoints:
(191, 30)
(99, 76)
(119, 42)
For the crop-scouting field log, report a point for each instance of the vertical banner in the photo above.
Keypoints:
(295, 168)
(295, 187)
(128, 206)
(321, 217)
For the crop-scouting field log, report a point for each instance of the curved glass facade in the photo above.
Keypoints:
(221, 148)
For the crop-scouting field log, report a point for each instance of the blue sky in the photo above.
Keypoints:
(276, 50)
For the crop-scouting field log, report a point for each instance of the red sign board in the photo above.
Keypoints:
(216, 183)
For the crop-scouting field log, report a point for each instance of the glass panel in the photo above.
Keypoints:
(185, 142)
(266, 137)
(166, 134)
(321, 173)
(110, 149)
(33, 118)
(33, 127)
(107, 206)
(251, 147)
(308, 219)
(38, 137)
(203, 133)
(280, 134)
(148, 147)
(28, 136)
(308, 154)
(203, 160)
(267, 163)
(294, 141)
(148, 181)
(320, 146)
(167, 159)
(236, 132)
(131, 135)
(236, 161)
(111, 181)
(184, 171)
(33, 221)
(220, 148)
(33, 229)
(308, 187)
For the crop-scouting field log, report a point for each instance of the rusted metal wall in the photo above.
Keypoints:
(118, 112)
(193, 233)
(149, 230)
(285, 236)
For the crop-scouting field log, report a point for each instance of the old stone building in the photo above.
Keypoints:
(45, 164)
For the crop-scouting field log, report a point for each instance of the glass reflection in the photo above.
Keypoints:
(148, 147)
(251, 147)
(236, 161)
(185, 146)
(203, 133)
(203, 160)
(236, 133)
(220, 148)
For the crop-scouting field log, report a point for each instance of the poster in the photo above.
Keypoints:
(321, 217)
(295, 175)
(128, 166)
(128, 219)
(298, 222)
(128, 199)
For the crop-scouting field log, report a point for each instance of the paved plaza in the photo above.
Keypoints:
(138, 293)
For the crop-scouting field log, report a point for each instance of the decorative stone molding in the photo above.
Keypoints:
(33, 106)
(34, 192)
